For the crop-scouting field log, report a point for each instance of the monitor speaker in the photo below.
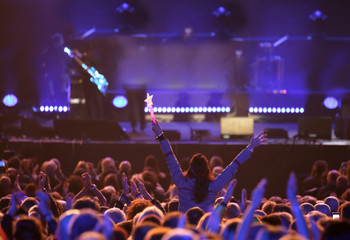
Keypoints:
(315, 127)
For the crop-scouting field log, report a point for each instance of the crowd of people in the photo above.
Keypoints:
(110, 201)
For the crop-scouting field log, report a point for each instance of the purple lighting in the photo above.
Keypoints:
(330, 103)
(10, 100)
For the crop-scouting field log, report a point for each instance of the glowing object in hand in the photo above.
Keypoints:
(149, 102)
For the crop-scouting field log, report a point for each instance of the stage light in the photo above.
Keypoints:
(10, 100)
(125, 7)
(297, 110)
(287, 110)
(187, 109)
(283, 110)
(155, 109)
(302, 110)
(317, 15)
(120, 101)
(195, 109)
(260, 110)
(146, 109)
(251, 109)
(330, 103)
(269, 110)
(221, 11)
(274, 110)
(264, 110)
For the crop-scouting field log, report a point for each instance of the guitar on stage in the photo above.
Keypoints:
(98, 79)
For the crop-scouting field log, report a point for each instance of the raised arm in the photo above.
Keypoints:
(291, 194)
(243, 226)
(229, 172)
(168, 152)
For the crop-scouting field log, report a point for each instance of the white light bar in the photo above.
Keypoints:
(195, 109)
(278, 110)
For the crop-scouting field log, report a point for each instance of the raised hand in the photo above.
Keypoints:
(87, 180)
(243, 202)
(292, 187)
(69, 200)
(142, 189)
(43, 201)
(133, 189)
(16, 186)
(156, 128)
(230, 190)
(257, 141)
(41, 180)
(125, 184)
(258, 193)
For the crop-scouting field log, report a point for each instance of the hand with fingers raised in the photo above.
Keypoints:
(261, 139)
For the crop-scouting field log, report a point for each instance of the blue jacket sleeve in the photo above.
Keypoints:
(173, 164)
(229, 172)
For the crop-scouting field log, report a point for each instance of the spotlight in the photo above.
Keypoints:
(120, 101)
(125, 7)
(221, 11)
(330, 103)
(317, 15)
(10, 100)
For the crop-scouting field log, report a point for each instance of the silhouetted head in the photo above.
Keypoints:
(199, 167)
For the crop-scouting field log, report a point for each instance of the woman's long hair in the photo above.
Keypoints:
(199, 169)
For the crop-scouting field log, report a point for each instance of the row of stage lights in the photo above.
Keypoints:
(54, 109)
(276, 110)
(190, 109)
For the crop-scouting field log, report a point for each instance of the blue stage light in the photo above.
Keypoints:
(10, 100)
(120, 101)
(331, 103)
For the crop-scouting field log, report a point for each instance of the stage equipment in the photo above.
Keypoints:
(172, 135)
(234, 127)
(89, 129)
(315, 127)
(276, 133)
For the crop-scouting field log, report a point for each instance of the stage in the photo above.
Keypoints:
(274, 161)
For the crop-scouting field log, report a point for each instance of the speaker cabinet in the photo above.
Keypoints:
(315, 127)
